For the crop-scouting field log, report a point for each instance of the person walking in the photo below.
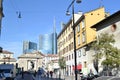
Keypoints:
(51, 74)
(47, 74)
(39, 74)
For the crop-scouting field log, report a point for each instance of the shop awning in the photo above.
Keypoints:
(79, 66)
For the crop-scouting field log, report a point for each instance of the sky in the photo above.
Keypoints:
(38, 16)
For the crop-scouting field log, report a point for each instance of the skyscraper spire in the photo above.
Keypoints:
(54, 27)
(101, 5)
(54, 44)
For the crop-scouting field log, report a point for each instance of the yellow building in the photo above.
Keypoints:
(84, 34)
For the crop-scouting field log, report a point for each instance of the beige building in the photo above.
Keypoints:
(7, 57)
(109, 25)
(31, 61)
(65, 43)
(51, 62)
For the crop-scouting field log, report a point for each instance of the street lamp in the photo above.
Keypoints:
(68, 13)
(37, 63)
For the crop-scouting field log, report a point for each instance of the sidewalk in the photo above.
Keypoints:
(69, 77)
(65, 77)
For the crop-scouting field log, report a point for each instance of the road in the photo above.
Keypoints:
(27, 76)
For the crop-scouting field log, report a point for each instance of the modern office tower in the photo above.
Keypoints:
(48, 43)
(45, 43)
(29, 46)
(54, 43)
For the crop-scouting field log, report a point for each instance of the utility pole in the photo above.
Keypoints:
(1, 14)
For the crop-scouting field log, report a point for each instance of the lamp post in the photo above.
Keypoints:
(68, 13)
(37, 63)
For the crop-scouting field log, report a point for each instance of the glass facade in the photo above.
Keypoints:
(29, 46)
(48, 43)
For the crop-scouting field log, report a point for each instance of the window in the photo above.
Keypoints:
(83, 23)
(72, 45)
(83, 37)
(83, 52)
(79, 53)
(72, 56)
(69, 57)
(78, 28)
(78, 39)
(67, 49)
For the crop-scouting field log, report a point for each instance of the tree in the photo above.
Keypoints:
(62, 63)
(104, 48)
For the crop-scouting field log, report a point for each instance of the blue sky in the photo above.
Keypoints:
(38, 18)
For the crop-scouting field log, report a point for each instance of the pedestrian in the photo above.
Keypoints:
(110, 73)
(67, 72)
(47, 74)
(39, 73)
(22, 75)
(35, 73)
(51, 74)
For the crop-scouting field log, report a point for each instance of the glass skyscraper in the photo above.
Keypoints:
(29, 46)
(48, 43)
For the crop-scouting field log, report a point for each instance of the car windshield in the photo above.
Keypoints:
(6, 70)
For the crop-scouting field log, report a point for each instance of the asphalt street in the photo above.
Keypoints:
(31, 77)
